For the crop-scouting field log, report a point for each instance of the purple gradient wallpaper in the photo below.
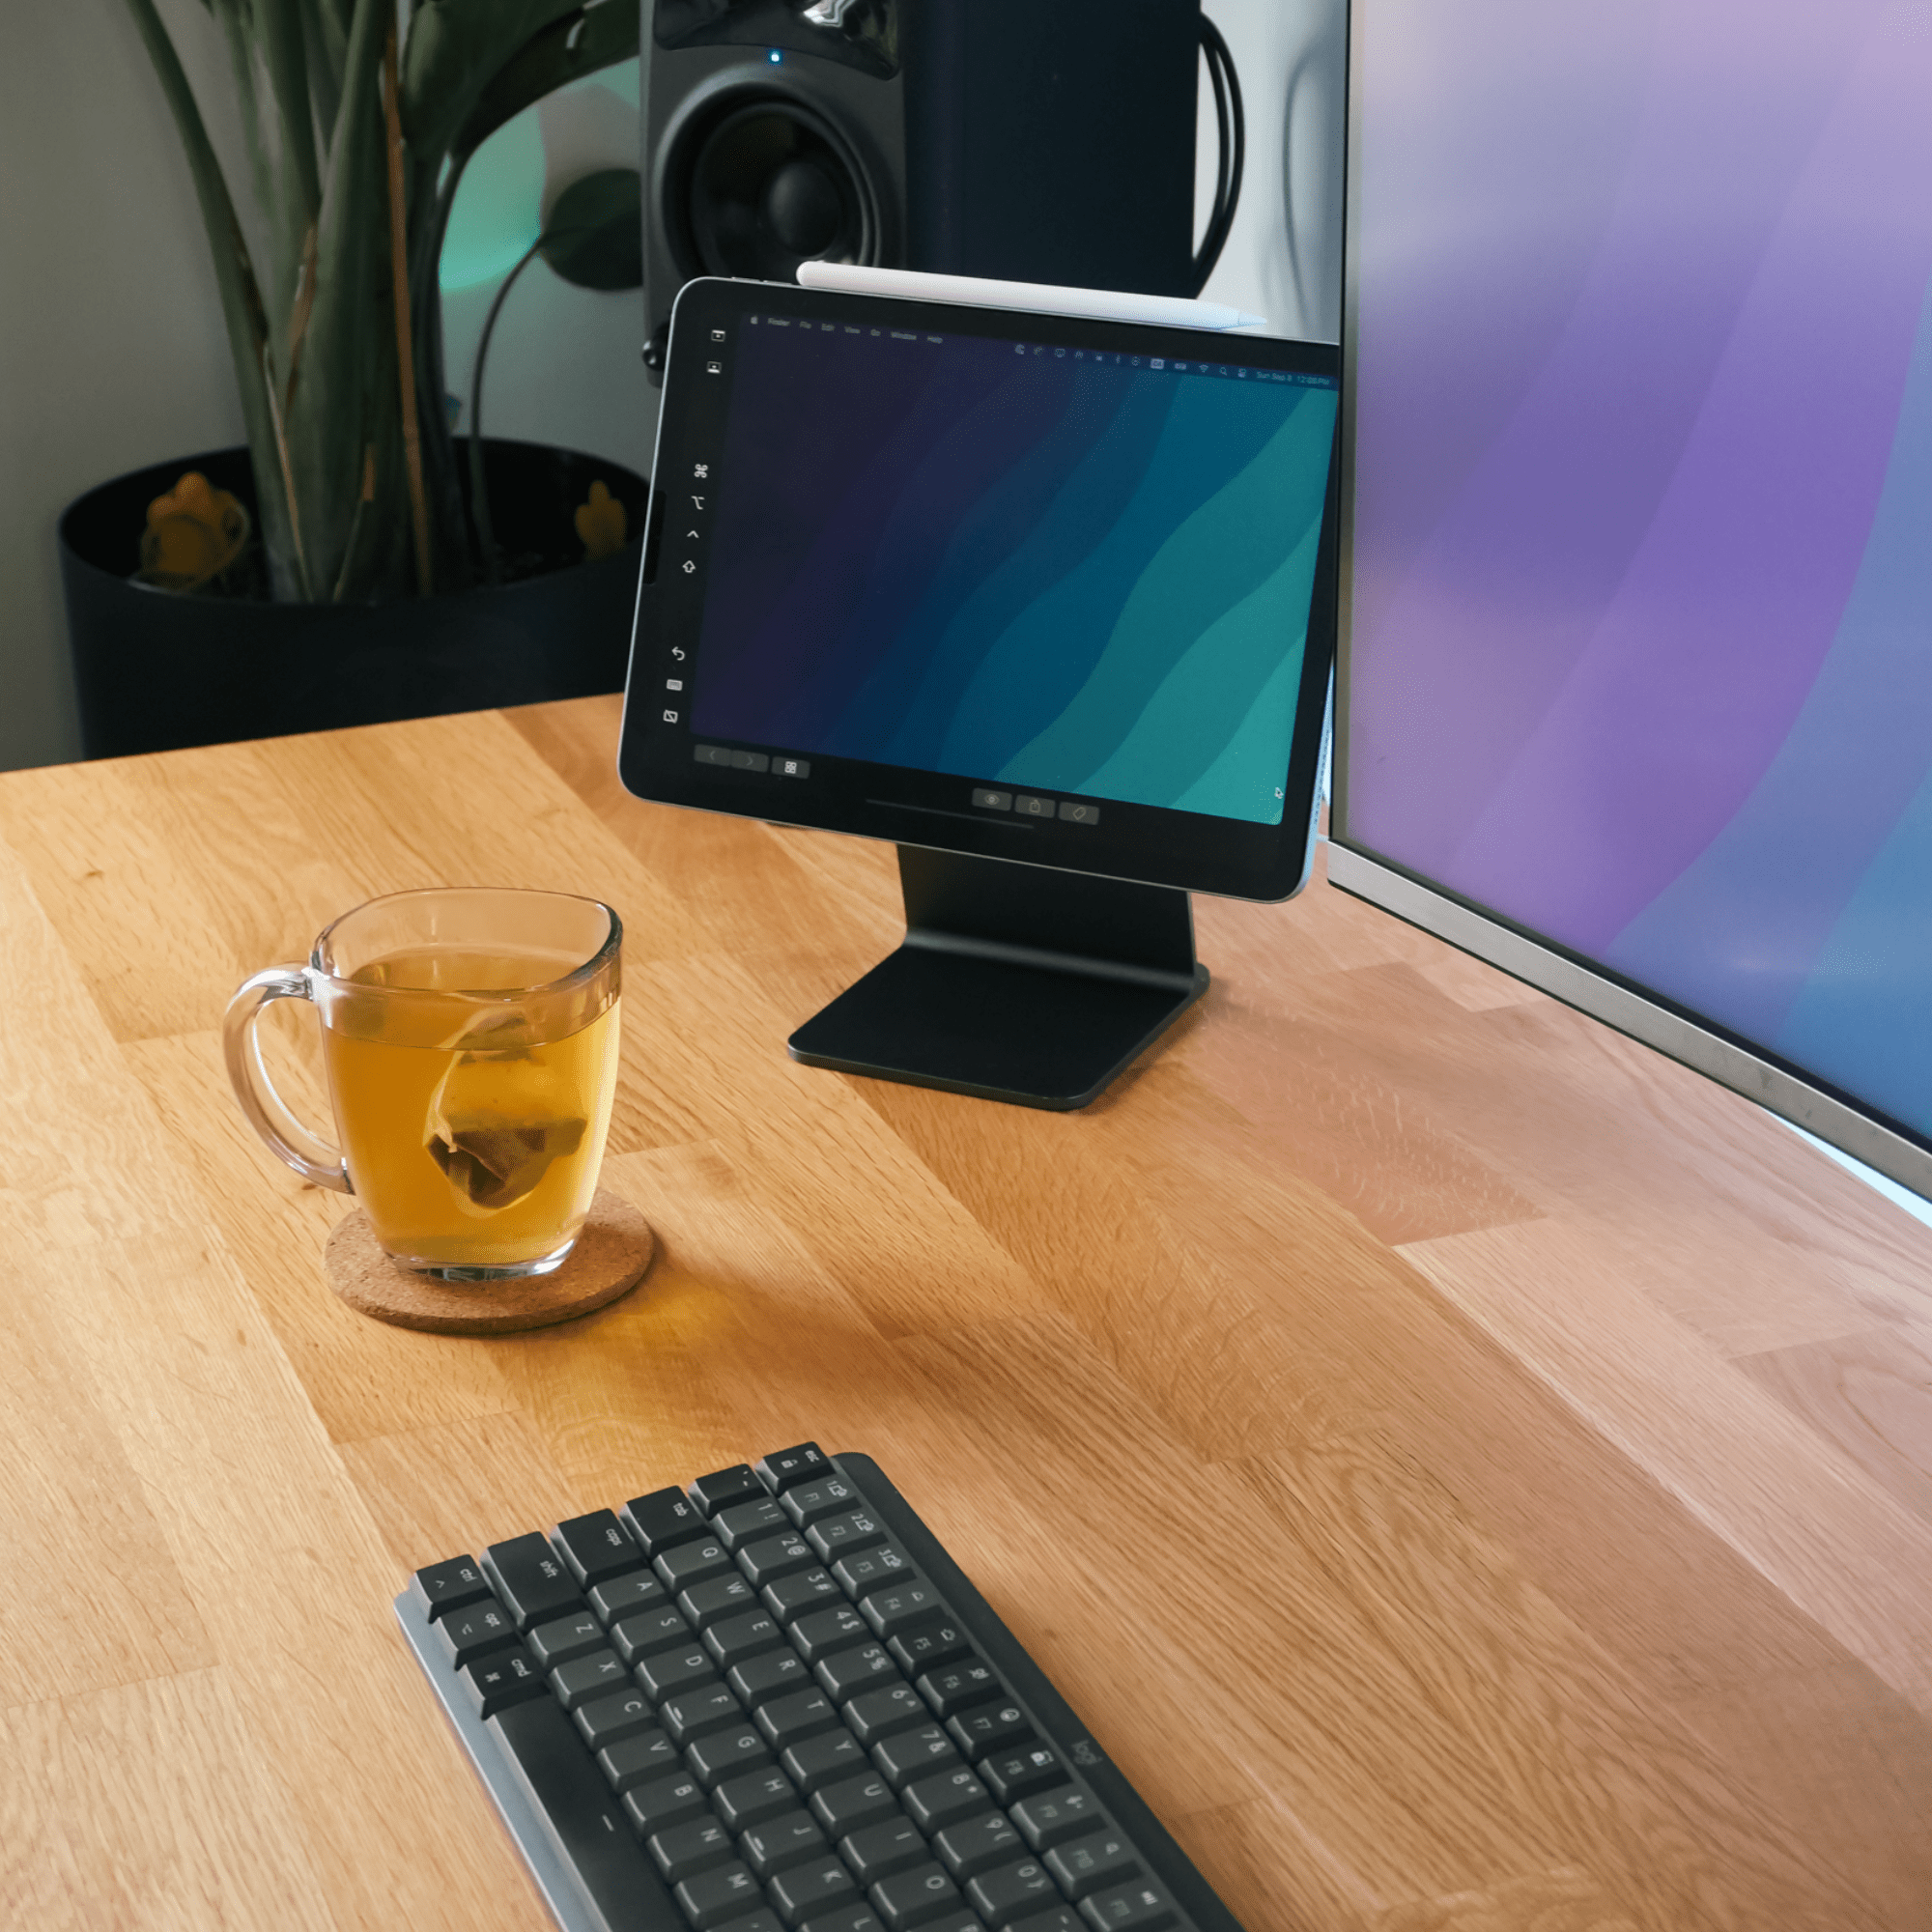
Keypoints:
(1640, 639)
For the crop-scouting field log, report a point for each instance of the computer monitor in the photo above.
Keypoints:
(1635, 694)
(1045, 600)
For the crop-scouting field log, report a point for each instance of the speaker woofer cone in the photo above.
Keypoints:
(771, 184)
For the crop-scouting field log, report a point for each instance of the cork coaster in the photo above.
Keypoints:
(610, 1259)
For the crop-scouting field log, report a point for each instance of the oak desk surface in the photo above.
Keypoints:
(1471, 1472)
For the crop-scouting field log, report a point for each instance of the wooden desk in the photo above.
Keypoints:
(1471, 1472)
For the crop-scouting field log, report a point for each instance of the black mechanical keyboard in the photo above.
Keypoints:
(771, 1700)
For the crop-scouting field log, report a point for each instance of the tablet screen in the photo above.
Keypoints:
(1079, 570)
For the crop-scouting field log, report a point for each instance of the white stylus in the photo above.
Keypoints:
(1041, 297)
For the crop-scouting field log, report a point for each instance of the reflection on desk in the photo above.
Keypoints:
(1468, 1471)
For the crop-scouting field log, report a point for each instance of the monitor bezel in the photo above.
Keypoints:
(1147, 844)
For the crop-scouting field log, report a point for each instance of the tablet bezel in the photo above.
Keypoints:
(1151, 845)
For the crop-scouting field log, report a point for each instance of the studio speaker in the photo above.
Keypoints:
(1049, 142)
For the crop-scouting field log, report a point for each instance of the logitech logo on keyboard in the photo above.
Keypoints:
(1084, 1752)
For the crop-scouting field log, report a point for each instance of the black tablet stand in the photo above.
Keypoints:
(1015, 983)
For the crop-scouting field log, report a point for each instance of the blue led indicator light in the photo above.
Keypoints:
(776, 56)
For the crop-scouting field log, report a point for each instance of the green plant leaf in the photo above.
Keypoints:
(597, 35)
(594, 237)
(325, 39)
(346, 386)
(279, 23)
(456, 48)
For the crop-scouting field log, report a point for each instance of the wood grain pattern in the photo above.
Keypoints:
(1474, 1475)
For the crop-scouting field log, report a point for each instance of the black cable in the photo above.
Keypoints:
(1231, 129)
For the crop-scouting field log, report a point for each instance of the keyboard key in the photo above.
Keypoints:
(1056, 1918)
(853, 1804)
(474, 1632)
(928, 1641)
(833, 1536)
(503, 1678)
(448, 1585)
(944, 1797)
(663, 1519)
(725, 1755)
(865, 1570)
(807, 1890)
(665, 1802)
(588, 1677)
(737, 1639)
(697, 1714)
(1136, 1907)
(790, 1721)
(565, 1638)
(710, 1603)
(609, 1720)
(913, 1755)
(530, 1579)
(767, 1677)
(892, 1610)
(747, 1522)
(608, 1862)
(825, 1760)
(781, 1842)
(822, 1631)
(689, 1563)
(808, 1593)
(968, 1681)
(1059, 1816)
(989, 1727)
(977, 1844)
(1086, 1864)
(624, 1596)
(714, 1896)
(773, 1557)
(828, 1495)
(1019, 1774)
(915, 1898)
(878, 1714)
(752, 1797)
(1012, 1891)
(724, 1487)
(597, 1546)
(649, 1634)
(845, 1673)
(857, 1917)
(763, 1919)
(672, 1670)
(637, 1759)
(784, 1467)
(893, 1845)
(683, 1851)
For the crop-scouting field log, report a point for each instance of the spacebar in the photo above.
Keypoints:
(584, 1827)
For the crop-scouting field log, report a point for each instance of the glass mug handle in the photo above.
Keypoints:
(309, 1154)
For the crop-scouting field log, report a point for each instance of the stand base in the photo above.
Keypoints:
(610, 1256)
(1014, 984)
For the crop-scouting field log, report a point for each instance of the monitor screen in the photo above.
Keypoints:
(1637, 654)
(1042, 589)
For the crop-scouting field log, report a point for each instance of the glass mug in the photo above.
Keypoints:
(470, 1043)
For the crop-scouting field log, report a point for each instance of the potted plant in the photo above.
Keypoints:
(333, 572)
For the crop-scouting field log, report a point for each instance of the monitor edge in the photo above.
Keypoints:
(1731, 1066)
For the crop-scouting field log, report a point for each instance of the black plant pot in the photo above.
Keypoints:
(157, 671)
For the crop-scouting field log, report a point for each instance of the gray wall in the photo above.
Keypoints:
(111, 348)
